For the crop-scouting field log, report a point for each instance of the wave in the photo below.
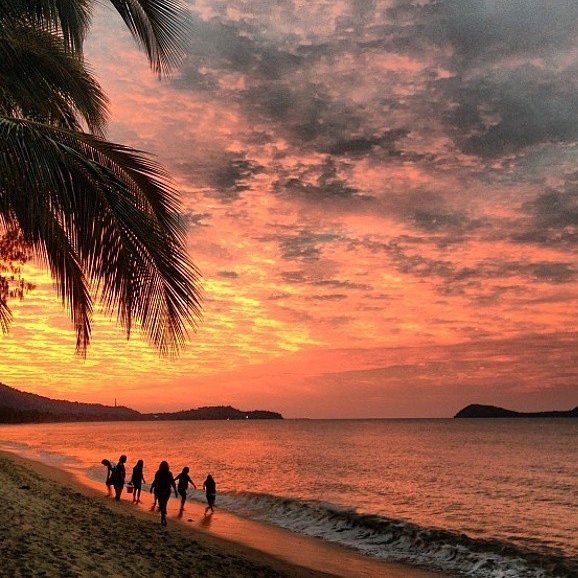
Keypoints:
(398, 540)
(47, 456)
(12, 445)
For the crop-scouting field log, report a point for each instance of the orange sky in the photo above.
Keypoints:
(382, 199)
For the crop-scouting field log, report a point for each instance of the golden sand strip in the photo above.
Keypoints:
(54, 526)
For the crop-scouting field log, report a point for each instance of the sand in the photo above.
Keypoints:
(53, 525)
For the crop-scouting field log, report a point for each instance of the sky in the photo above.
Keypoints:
(381, 197)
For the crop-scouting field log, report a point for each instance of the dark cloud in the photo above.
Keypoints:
(512, 68)
(193, 219)
(294, 277)
(302, 277)
(304, 245)
(319, 184)
(503, 115)
(451, 278)
(278, 296)
(236, 175)
(238, 46)
(554, 220)
(228, 274)
(553, 272)
(490, 30)
(190, 76)
(555, 209)
(328, 297)
(364, 145)
(337, 284)
(508, 88)
(227, 174)
(439, 220)
(281, 88)
(303, 112)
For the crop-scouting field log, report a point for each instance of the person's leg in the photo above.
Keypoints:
(163, 500)
(117, 492)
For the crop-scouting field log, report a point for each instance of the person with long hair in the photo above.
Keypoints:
(161, 486)
(136, 481)
(108, 481)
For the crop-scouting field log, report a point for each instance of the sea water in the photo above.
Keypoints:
(491, 498)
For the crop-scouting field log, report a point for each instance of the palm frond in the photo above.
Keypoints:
(69, 19)
(103, 214)
(40, 80)
(160, 27)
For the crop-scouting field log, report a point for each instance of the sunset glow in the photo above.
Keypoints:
(382, 199)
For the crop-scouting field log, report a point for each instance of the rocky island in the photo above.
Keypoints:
(477, 411)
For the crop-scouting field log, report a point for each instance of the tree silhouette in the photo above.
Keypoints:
(103, 218)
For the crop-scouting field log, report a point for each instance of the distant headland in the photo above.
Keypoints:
(21, 407)
(476, 410)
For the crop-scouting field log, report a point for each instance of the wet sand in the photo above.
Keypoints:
(54, 525)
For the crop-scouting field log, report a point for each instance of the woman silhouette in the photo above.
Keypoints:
(161, 486)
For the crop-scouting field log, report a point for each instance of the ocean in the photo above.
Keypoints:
(483, 498)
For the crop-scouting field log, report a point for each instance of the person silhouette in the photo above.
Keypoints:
(118, 476)
(184, 480)
(161, 486)
(210, 488)
(108, 481)
(137, 480)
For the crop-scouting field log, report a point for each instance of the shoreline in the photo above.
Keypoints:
(58, 524)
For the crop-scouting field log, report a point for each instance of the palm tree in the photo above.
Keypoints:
(159, 26)
(102, 217)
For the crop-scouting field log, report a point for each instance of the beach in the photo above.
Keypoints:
(54, 525)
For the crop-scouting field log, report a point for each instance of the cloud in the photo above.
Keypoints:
(381, 196)
(508, 112)
(554, 219)
(337, 284)
(303, 245)
(228, 274)
(193, 219)
(363, 145)
(511, 70)
(329, 297)
(318, 184)
(490, 30)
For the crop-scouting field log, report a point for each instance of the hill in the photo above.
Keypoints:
(476, 411)
(18, 406)
(215, 412)
(21, 407)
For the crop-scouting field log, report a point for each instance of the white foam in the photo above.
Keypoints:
(393, 540)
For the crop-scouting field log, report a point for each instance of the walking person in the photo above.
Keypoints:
(161, 486)
(108, 481)
(136, 481)
(184, 480)
(210, 488)
(118, 476)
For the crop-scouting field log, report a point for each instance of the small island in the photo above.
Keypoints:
(491, 411)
